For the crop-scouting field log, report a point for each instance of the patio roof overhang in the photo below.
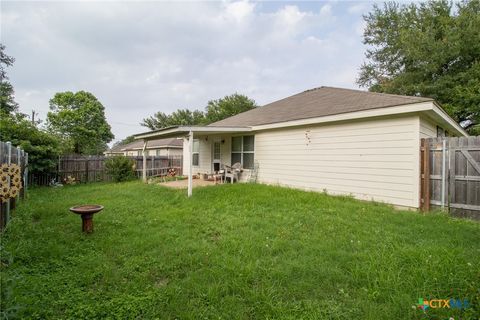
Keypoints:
(181, 131)
(184, 131)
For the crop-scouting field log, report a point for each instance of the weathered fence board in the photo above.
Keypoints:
(451, 176)
(86, 169)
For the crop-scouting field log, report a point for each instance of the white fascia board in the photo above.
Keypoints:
(448, 120)
(178, 131)
(164, 147)
(152, 148)
(403, 109)
(156, 133)
(212, 129)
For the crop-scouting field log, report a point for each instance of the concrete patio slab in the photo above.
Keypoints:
(183, 184)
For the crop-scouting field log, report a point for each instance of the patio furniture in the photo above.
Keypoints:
(233, 172)
(254, 173)
(216, 176)
(220, 175)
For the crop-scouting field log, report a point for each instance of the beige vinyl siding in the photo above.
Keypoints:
(225, 149)
(205, 157)
(428, 129)
(161, 152)
(370, 159)
(205, 161)
(174, 152)
(167, 152)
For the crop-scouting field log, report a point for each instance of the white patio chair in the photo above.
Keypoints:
(233, 172)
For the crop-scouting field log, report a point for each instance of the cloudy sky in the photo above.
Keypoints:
(141, 57)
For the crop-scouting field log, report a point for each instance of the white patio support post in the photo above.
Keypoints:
(144, 167)
(190, 162)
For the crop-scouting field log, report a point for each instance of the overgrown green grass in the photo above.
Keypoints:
(233, 252)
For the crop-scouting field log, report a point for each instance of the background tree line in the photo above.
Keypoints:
(215, 110)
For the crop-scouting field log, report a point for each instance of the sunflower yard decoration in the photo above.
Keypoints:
(4, 168)
(10, 181)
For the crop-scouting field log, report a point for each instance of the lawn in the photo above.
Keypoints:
(238, 251)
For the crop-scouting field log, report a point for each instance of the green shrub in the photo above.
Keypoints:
(120, 168)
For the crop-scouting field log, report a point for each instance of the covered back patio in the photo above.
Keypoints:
(208, 150)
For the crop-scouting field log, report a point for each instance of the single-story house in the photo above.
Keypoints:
(341, 141)
(156, 147)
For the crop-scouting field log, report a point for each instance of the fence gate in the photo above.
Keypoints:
(450, 175)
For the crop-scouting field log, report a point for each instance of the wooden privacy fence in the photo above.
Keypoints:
(85, 169)
(450, 175)
(13, 173)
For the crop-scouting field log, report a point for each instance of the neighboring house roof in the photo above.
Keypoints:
(151, 144)
(116, 149)
(318, 102)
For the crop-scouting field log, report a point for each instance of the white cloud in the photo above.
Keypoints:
(139, 58)
(290, 15)
(326, 10)
(239, 10)
(357, 8)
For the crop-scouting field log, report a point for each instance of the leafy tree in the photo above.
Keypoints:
(43, 148)
(79, 118)
(7, 100)
(120, 168)
(124, 141)
(180, 117)
(228, 106)
(216, 110)
(430, 49)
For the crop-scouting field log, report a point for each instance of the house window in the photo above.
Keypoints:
(440, 132)
(216, 150)
(196, 152)
(243, 150)
(139, 153)
(158, 152)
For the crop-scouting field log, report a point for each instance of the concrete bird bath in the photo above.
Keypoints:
(87, 211)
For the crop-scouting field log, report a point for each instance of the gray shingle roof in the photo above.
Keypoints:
(318, 102)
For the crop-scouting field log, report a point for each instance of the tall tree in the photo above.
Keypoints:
(216, 110)
(7, 99)
(430, 49)
(79, 118)
(43, 148)
(228, 106)
(180, 117)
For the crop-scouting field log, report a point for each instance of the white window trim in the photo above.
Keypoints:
(196, 152)
(242, 152)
